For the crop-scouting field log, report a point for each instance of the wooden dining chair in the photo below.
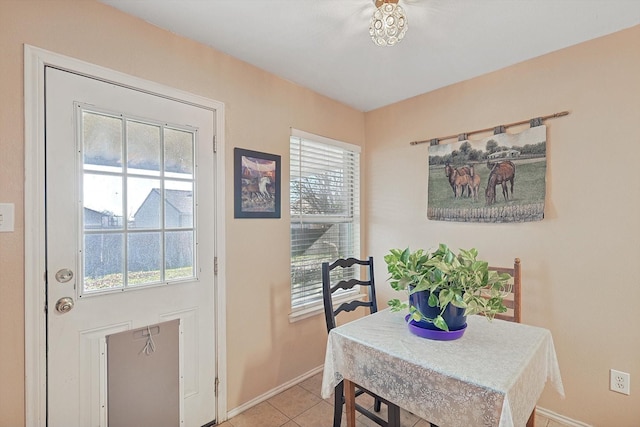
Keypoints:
(513, 299)
(346, 278)
(513, 302)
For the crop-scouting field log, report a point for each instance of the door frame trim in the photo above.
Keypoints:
(35, 61)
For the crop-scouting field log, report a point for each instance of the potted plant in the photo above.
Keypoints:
(445, 287)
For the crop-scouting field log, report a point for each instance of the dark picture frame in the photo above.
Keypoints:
(256, 184)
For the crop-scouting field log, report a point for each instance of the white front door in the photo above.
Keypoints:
(130, 240)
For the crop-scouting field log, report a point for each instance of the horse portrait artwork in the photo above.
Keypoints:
(454, 194)
(257, 189)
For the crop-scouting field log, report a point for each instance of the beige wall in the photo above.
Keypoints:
(264, 349)
(580, 264)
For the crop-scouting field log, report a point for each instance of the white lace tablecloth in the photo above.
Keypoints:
(492, 376)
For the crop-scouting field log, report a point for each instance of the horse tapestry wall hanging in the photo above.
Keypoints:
(500, 178)
(256, 184)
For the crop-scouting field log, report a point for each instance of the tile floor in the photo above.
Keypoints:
(303, 406)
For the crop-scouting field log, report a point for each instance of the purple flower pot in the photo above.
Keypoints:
(432, 334)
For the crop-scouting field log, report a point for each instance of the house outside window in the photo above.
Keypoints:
(325, 213)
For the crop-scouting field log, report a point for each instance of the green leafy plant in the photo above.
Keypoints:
(459, 279)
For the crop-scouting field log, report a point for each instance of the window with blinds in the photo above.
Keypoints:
(325, 211)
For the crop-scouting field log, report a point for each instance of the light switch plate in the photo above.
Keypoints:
(6, 217)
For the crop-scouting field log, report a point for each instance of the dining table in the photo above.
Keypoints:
(493, 375)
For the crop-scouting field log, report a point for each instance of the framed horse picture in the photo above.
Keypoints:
(256, 184)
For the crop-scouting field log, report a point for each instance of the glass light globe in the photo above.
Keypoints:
(388, 24)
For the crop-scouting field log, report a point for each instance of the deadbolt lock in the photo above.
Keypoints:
(64, 275)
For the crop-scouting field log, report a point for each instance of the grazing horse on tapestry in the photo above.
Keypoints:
(460, 183)
(501, 173)
(474, 185)
(460, 179)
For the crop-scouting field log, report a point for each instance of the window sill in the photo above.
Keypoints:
(315, 309)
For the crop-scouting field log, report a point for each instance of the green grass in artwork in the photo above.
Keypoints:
(529, 187)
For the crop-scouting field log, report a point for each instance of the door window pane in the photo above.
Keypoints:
(102, 201)
(103, 261)
(145, 258)
(178, 210)
(144, 199)
(143, 148)
(179, 250)
(178, 153)
(102, 142)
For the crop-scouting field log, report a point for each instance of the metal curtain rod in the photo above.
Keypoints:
(522, 122)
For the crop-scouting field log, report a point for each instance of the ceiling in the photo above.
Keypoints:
(324, 45)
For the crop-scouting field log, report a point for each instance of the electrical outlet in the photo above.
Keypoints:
(619, 381)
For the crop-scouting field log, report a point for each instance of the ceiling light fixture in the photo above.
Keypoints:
(388, 23)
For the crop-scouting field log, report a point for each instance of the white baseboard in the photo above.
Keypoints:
(560, 419)
(268, 395)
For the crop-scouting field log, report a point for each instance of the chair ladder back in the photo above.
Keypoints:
(393, 411)
(514, 299)
(328, 289)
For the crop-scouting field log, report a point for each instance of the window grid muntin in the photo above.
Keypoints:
(125, 174)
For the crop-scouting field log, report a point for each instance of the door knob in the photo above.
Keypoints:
(64, 305)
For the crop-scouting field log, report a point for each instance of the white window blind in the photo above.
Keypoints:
(325, 211)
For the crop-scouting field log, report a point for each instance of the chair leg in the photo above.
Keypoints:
(531, 422)
(393, 415)
(376, 405)
(338, 401)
